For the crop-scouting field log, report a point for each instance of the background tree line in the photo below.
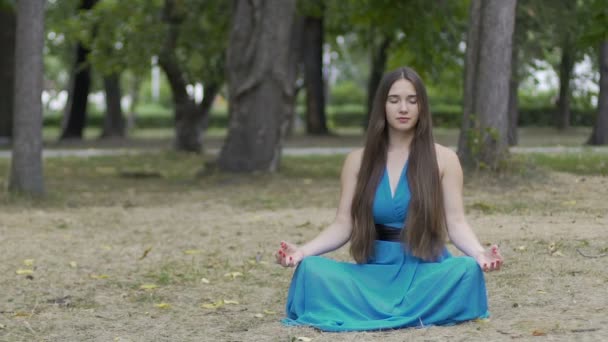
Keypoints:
(263, 55)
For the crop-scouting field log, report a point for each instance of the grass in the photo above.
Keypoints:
(103, 233)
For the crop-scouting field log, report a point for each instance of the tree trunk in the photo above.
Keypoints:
(261, 69)
(491, 102)
(134, 89)
(316, 122)
(512, 137)
(114, 121)
(600, 130)
(379, 58)
(566, 68)
(470, 79)
(26, 163)
(188, 117)
(7, 70)
(75, 116)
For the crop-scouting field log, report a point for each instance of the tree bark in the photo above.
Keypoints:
(7, 70)
(75, 116)
(316, 122)
(379, 57)
(261, 69)
(114, 121)
(26, 163)
(565, 74)
(470, 80)
(188, 117)
(599, 136)
(491, 100)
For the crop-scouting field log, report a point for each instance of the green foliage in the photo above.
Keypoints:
(346, 92)
(583, 163)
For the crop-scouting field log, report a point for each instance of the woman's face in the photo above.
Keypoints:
(402, 106)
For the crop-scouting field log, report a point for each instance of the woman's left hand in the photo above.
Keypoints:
(490, 259)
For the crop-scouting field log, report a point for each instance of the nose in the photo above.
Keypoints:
(403, 107)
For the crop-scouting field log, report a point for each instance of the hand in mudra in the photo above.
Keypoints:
(288, 255)
(490, 260)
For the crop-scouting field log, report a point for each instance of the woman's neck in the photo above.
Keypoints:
(399, 141)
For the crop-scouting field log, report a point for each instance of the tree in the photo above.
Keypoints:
(7, 67)
(599, 136)
(26, 163)
(488, 71)
(261, 69)
(313, 38)
(75, 114)
(114, 120)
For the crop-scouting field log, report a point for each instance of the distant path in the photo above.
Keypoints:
(290, 151)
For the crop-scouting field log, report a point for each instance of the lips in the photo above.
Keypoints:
(403, 119)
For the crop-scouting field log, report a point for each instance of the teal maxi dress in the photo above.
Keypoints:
(393, 290)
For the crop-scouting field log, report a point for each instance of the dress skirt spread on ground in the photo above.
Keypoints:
(393, 290)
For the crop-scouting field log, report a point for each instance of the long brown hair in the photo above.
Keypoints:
(425, 225)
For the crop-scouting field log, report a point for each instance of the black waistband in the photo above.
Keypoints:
(386, 233)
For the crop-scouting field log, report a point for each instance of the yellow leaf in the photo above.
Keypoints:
(303, 339)
(213, 306)
(2, 326)
(482, 320)
(228, 301)
(192, 251)
(28, 262)
(569, 203)
(269, 312)
(22, 314)
(541, 292)
(538, 333)
(24, 271)
(73, 264)
(106, 247)
(145, 254)
(558, 254)
(521, 248)
(233, 274)
(258, 315)
(205, 281)
(148, 286)
(162, 305)
(99, 276)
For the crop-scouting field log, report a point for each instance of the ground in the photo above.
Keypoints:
(135, 248)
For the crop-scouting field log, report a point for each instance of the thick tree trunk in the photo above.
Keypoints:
(379, 58)
(7, 70)
(512, 137)
(566, 68)
(114, 121)
(261, 66)
(491, 103)
(470, 80)
(599, 136)
(133, 91)
(188, 116)
(26, 163)
(75, 116)
(316, 122)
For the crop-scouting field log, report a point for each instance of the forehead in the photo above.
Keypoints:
(402, 87)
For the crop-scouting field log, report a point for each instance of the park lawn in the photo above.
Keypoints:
(140, 248)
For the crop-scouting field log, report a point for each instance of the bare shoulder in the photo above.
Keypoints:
(447, 159)
(352, 164)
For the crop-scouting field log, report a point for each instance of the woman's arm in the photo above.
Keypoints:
(339, 231)
(459, 231)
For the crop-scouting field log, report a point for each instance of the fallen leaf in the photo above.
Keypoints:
(205, 281)
(2, 326)
(28, 262)
(192, 251)
(106, 247)
(233, 274)
(145, 253)
(539, 333)
(541, 292)
(558, 254)
(269, 312)
(73, 264)
(148, 286)
(22, 271)
(482, 320)
(258, 315)
(213, 306)
(303, 339)
(99, 276)
(22, 314)
(521, 248)
(568, 204)
(162, 305)
(228, 301)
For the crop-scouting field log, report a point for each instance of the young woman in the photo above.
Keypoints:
(401, 195)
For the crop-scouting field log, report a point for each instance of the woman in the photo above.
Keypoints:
(401, 195)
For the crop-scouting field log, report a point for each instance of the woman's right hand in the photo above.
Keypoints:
(289, 255)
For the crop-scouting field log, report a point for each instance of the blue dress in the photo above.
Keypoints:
(393, 290)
